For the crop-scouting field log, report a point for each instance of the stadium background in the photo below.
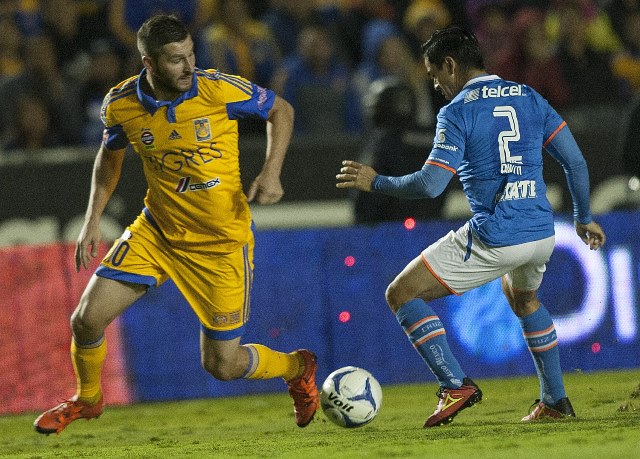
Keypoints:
(320, 277)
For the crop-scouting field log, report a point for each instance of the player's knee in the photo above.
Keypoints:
(525, 308)
(523, 303)
(394, 296)
(84, 325)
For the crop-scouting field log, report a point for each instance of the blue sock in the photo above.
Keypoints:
(426, 332)
(540, 335)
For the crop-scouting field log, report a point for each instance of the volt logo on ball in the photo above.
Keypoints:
(335, 399)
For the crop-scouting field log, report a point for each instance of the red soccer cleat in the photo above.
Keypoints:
(59, 417)
(539, 410)
(452, 401)
(303, 390)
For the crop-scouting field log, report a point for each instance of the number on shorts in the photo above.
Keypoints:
(119, 253)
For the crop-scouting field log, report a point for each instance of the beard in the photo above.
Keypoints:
(173, 86)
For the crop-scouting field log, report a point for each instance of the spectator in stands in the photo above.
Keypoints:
(586, 69)
(386, 53)
(32, 127)
(126, 16)
(352, 20)
(626, 64)
(318, 85)
(71, 32)
(286, 19)
(618, 10)
(27, 15)
(41, 77)
(394, 147)
(493, 28)
(421, 19)
(104, 70)
(10, 60)
(598, 30)
(540, 68)
(239, 44)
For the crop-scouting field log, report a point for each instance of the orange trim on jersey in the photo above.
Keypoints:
(434, 163)
(564, 123)
(426, 263)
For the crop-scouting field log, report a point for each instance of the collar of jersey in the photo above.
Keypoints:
(480, 79)
(152, 105)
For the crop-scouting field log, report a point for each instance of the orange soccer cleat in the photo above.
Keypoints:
(59, 417)
(452, 401)
(303, 390)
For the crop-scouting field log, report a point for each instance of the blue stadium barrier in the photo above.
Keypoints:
(323, 289)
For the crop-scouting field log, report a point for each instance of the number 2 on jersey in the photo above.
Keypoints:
(508, 163)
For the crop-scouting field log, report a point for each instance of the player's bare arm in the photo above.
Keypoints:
(591, 234)
(106, 173)
(355, 175)
(267, 188)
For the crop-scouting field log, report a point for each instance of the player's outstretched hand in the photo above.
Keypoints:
(355, 175)
(591, 234)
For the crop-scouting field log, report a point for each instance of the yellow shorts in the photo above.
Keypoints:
(217, 286)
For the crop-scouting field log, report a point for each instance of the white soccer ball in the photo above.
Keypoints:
(351, 397)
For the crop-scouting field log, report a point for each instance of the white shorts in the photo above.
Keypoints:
(461, 262)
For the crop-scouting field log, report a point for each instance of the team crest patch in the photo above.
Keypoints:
(146, 137)
(203, 129)
(441, 135)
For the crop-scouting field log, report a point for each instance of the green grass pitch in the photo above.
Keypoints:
(607, 426)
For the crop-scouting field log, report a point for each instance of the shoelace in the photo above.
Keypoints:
(62, 411)
(534, 405)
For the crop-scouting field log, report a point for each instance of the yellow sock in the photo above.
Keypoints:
(265, 363)
(87, 363)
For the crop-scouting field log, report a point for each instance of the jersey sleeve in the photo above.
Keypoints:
(561, 145)
(428, 182)
(245, 99)
(113, 137)
(449, 141)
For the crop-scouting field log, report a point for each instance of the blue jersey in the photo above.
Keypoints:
(492, 135)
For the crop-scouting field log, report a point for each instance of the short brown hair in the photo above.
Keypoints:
(159, 30)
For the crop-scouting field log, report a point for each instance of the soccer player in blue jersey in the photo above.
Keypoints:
(195, 227)
(492, 135)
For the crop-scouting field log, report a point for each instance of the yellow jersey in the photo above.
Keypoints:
(189, 151)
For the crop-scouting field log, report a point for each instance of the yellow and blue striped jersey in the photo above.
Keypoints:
(189, 150)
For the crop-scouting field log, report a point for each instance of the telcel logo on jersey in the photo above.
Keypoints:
(185, 184)
(515, 90)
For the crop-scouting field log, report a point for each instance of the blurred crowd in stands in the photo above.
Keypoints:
(58, 58)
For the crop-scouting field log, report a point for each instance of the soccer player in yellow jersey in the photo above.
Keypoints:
(195, 227)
